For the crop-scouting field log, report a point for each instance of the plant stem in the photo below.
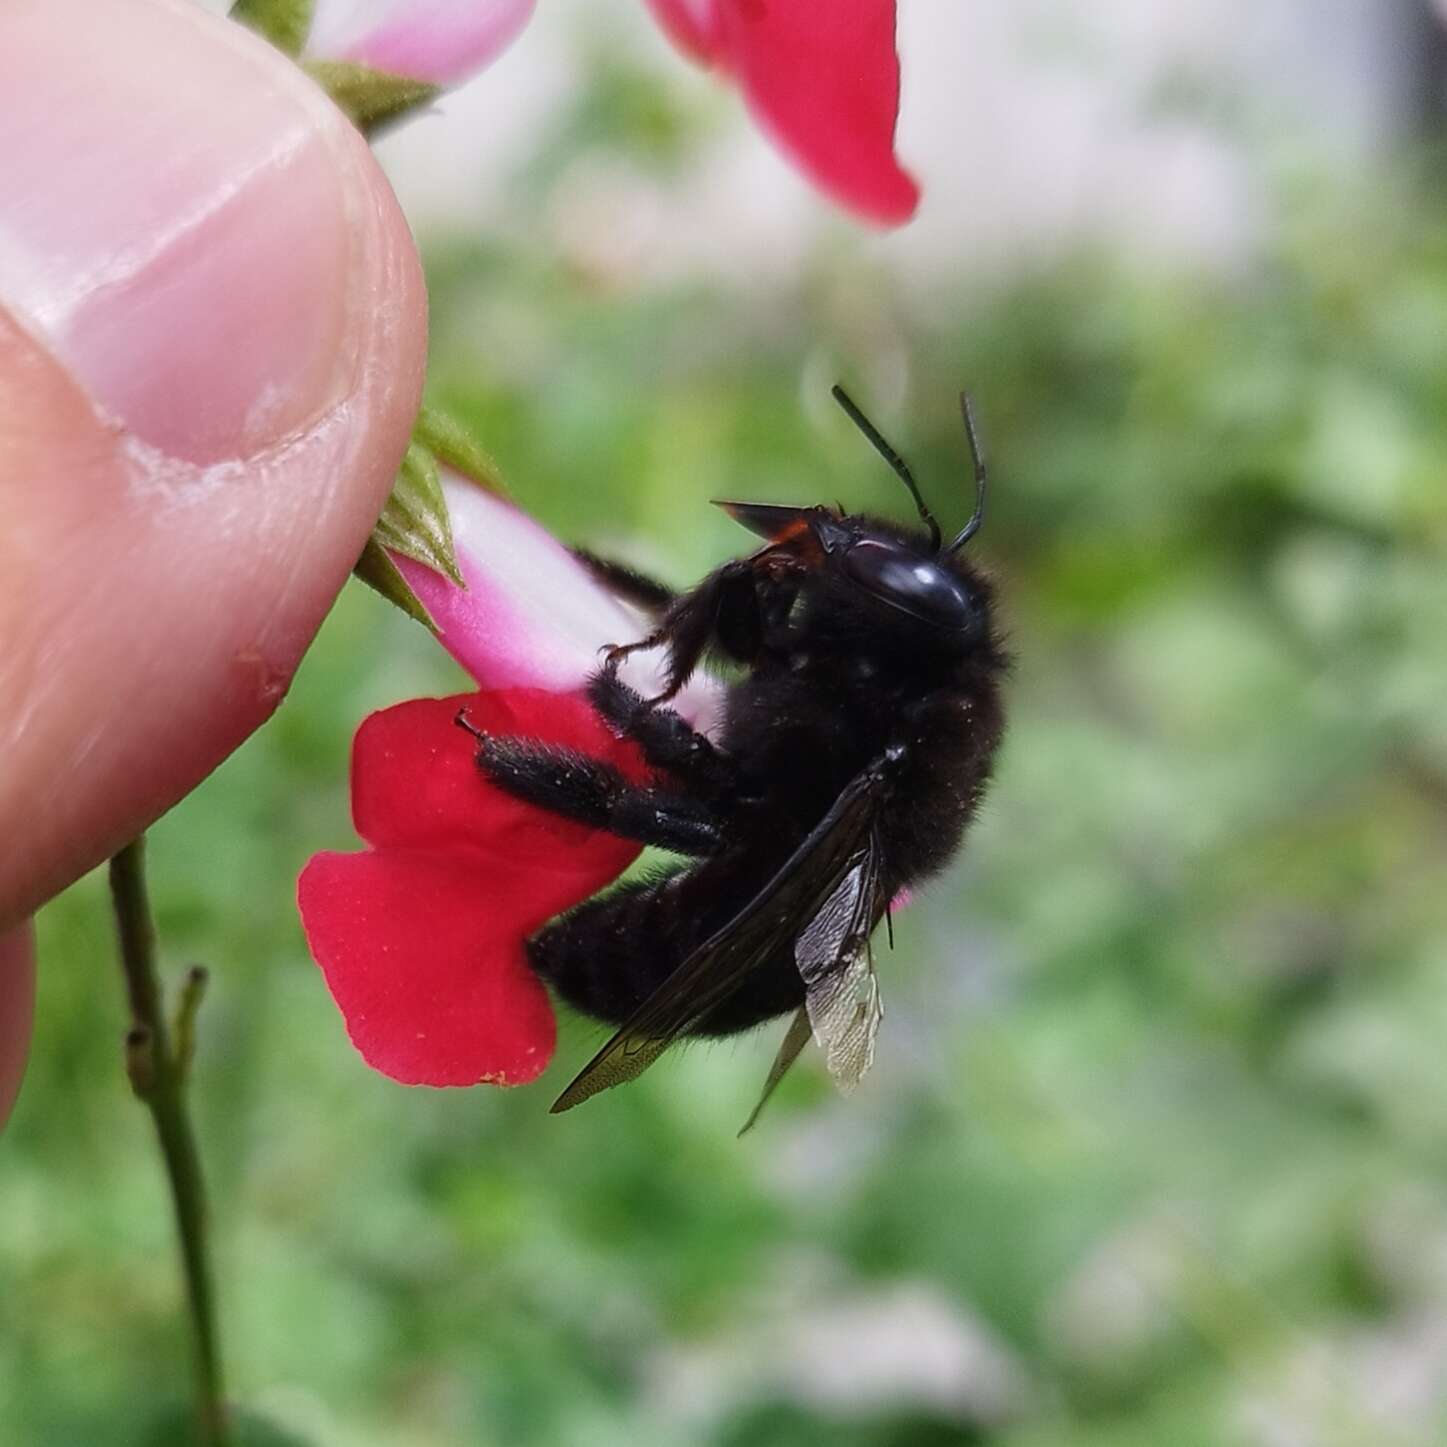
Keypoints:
(158, 1078)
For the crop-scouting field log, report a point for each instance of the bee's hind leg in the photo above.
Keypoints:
(627, 583)
(596, 794)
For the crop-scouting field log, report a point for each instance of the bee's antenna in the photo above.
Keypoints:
(981, 477)
(892, 458)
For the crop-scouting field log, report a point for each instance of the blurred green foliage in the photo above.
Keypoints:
(1156, 1148)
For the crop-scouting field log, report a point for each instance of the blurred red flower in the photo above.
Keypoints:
(820, 76)
(822, 80)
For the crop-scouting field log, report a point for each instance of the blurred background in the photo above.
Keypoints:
(1155, 1149)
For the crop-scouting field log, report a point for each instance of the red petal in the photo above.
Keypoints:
(422, 951)
(824, 79)
(415, 783)
(692, 25)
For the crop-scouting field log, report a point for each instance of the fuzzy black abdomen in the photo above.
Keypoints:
(798, 737)
(609, 955)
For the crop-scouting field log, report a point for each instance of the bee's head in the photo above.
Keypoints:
(887, 569)
(884, 568)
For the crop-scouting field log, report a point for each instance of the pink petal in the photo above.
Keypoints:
(442, 41)
(824, 80)
(692, 25)
(532, 616)
(422, 951)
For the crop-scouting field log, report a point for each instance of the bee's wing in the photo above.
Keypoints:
(833, 954)
(799, 1034)
(842, 1008)
(809, 881)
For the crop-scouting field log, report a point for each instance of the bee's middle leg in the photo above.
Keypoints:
(666, 738)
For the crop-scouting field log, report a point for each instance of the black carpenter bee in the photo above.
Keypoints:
(853, 753)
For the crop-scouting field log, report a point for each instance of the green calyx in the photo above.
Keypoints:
(285, 23)
(370, 98)
(415, 523)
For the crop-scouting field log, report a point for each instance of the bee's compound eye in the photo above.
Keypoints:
(904, 579)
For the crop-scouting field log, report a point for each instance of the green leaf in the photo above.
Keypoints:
(381, 574)
(286, 23)
(371, 98)
(452, 443)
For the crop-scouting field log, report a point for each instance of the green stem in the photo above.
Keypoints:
(157, 1076)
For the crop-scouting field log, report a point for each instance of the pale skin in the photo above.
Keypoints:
(212, 340)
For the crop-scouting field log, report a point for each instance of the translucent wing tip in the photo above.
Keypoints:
(799, 1034)
(625, 1057)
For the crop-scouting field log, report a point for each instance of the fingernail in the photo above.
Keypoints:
(174, 214)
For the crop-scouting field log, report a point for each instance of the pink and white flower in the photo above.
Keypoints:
(441, 41)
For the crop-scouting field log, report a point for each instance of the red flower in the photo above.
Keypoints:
(821, 76)
(421, 936)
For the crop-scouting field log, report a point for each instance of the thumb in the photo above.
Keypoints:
(212, 328)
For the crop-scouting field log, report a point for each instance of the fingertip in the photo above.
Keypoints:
(212, 341)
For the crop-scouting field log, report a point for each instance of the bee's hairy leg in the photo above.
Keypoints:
(596, 794)
(627, 583)
(722, 612)
(665, 737)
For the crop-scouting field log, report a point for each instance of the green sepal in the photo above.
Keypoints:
(382, 575)
(285, 23)
(370, 98)
(415, 521)
(453, 444)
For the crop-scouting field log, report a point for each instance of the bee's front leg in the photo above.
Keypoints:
(721, 612)
(665, 737)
